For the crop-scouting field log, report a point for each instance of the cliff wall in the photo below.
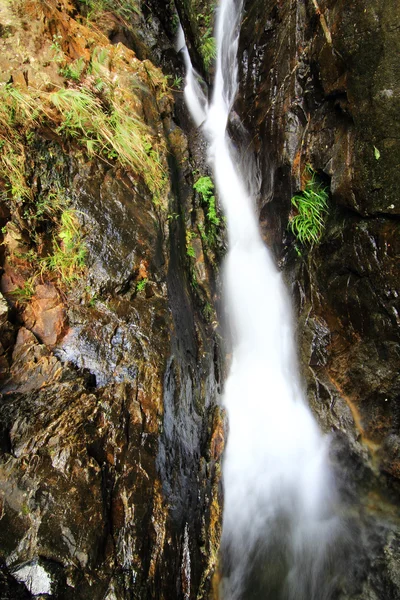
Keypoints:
(110, 431)
(320, 93)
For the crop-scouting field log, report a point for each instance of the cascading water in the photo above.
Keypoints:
(279, 525)
(194, 95)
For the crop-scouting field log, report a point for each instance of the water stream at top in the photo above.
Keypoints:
(278, 525)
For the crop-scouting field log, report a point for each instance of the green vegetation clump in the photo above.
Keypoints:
(18, 114)
(25, 293)
(208, 49)
(113, 133)
(208, 45)
(73, 70)
(124, 9)
(312, 209)
(103, 126)
(205, 187)
(66, 251)
(190, 251)
(67, 259)
(141, 285)
(100, 112)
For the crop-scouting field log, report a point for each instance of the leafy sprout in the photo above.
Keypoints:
(141, 285)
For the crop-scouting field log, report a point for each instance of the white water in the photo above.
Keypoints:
(278, 526)
(194, 95)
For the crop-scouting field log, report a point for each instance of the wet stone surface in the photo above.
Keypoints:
(322, 89)
(110, 435)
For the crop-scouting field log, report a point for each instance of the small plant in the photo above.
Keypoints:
(25, 509)
(69, 251)
(176, 82)
(208, 48)
(205, 188)
(312, 208)
(56, 47)
(25, 293)
(208, 311)
(48, 205)
(190, 251)
(93, 301)
(74, 70)
(141, 285)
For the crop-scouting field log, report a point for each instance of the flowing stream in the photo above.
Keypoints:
(279, 525)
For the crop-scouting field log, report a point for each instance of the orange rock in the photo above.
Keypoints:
(45, 315)
(218, 436)
(143, 273)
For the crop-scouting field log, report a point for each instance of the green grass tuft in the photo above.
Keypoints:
(25, 293)
(113, 133)
(69, 251)
(312, 209)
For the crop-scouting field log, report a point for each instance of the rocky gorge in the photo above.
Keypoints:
(112, 355)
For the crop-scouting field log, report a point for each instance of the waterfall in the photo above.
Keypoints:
(194, 95)
(279, 524)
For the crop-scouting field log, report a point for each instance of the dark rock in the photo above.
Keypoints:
(110, 437)
(321, 88)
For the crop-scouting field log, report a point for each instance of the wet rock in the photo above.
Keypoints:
(3, 310)
(32, 364)
(321, 89)
(109, 474)
(35, 578)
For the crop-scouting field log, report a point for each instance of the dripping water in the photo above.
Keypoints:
(279, 525)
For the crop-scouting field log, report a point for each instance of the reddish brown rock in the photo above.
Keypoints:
(45, 315)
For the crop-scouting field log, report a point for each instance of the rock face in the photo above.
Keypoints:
(110, 434)
(319, 87)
